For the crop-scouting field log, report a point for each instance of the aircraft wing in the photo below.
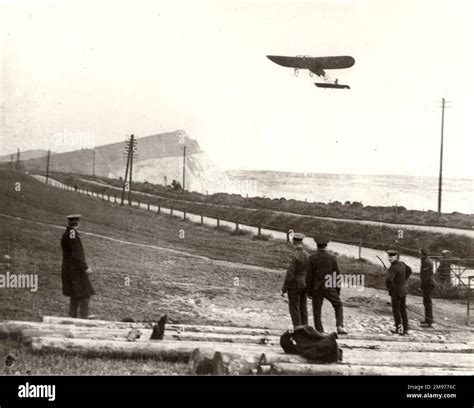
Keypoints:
(313, 63)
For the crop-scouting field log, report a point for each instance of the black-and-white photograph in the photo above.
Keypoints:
(237, 188)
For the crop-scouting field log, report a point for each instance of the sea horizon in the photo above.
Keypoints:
(347, 174)
(411, 192)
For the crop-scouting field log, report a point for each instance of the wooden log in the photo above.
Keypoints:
(121, 334)
(223, 337)
(180, 327)
(387, 358)
(18, 330)
(169, 351)
(200, 363)
(83, 333)
(409, 359)
(14, 330)
(228, 363)
(164, 349)
(467, 347)
(391, 338)
(340, 370)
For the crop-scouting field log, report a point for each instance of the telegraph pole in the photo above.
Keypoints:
(440, 185)
(93, 162)
(47, 166)
(126, 174)
(131, 148)
(18, 160)
(184, 167)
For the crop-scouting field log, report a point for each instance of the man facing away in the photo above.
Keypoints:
(427, 284)
(321, 269)
(75, 271)
(397, 289)
(295, 283)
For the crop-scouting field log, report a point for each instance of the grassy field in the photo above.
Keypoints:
(216, 278)
(151, 271)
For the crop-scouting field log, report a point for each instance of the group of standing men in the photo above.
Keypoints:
(307, 276)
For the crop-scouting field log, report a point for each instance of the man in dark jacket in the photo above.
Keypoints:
(75, 270)
(427, 284)
(295, 283)
(321, 284)
(397, 289)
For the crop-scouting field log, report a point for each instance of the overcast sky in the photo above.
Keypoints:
(112, 68)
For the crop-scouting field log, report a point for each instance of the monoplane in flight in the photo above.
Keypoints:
(316, 65)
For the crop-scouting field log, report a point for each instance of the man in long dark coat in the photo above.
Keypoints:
(295, 283)
(320, 284)
(427, 284)
(397, 289)
(75, 270)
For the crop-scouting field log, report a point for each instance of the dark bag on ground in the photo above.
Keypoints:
(309, 343)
